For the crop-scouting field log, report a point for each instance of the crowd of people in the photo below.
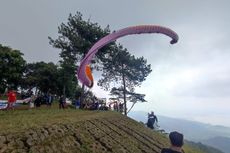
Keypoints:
(40, 99)
(116, 106)
(27, 98)
(36, 100)
(93, 104)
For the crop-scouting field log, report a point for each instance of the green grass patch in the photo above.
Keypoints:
(72, 130)
(19, 120)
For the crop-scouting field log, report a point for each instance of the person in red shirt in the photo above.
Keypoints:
(11, 99)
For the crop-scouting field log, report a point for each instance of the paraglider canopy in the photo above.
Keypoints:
(86, 77)
(89, 75)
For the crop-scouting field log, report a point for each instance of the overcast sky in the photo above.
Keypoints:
(189, 79)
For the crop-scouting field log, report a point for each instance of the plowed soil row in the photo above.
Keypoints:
(115, 134)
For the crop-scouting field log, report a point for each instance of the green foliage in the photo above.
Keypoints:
(120, 63)
(96, 131)
(200, 148)
(75, 39)
(11, 68)
(127, 72)
(19, 120)
(130, 96)
(43, 76)
(67, 83)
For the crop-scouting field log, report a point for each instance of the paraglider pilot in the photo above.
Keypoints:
(151, 120)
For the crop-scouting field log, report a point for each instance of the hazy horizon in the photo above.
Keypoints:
(133, 113)
(190, 79)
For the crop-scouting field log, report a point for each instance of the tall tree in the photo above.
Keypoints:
(75, 39)
(11, 67)
(131, 96)
(43, 76)
(126, 71)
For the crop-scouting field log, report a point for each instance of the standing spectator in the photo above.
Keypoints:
(177, 141)
(12, 97)
(96, 105)
(121, 107)
(38, 100)
(23, 94)
(61, 102)
(29, 93)
(31, 102)
(77, 103)
(115, 106)
(49, 100)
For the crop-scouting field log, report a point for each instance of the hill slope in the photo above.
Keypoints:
(192, 130)
(222, 143)
(77, 131)
(204, 148)
(215, 136)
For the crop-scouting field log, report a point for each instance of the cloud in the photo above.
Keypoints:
(190, 73)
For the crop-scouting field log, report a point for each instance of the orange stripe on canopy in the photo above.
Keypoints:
(89, 75)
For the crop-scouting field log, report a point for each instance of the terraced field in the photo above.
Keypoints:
(118, 135)
(71, 131)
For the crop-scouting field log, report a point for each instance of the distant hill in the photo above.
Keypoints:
(70, 130)
(222, 143)
(194, 131)
(203, 147)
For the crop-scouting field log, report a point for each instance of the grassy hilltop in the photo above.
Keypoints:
(69, 130)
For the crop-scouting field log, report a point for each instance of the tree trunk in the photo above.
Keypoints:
(82, 95)
(124, 90)
(131, 107)
(36, 90)
(64, 91)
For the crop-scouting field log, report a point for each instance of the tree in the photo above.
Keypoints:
(127, 72)
(11, 68)
(66, 83)
(131, 96)
(43, 76)
(75, 39)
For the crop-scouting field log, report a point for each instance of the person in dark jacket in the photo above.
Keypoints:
(49, 100)
(37, 101)
(61, 102)
(177, 141)
(151, 120)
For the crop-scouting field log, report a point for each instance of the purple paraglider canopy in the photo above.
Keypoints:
(82, 76)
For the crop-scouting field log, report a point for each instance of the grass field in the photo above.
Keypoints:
(70, 130)
(25, 118)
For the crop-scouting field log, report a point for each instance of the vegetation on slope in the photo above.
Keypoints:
(69, 130)
(202, 147)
